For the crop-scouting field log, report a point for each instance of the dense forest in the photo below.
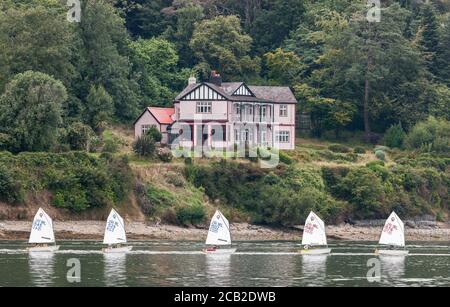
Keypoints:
(64, 84)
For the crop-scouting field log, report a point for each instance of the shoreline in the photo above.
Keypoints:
(93, 230)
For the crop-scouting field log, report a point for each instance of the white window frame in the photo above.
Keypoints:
(145, 128)
(283, 136)
(283, 110)
(204, 107)
(263, 113)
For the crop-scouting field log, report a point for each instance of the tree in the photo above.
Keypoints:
(30, 111)
(284, 67)
(222, 45)
(99, 108)
(156, 64)
(430, 36)
(443, 54)
(42, 41)
(104, 57)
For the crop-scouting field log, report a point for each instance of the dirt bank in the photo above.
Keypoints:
(93, 230)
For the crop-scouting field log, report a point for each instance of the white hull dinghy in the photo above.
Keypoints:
(42, 236)
(314, 239)
(115, 234)
(392, 241)
(219, 238)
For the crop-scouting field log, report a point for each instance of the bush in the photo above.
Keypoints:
(362, 188)
(359, 150)
(380, 155)
(190, 215)
(285, 158)
(154, 134)
(175, 179)
(432, 135)
(11, 190)
(394, 136)
(338, 148)
(79, 136)
(144, 146)
(165, 155)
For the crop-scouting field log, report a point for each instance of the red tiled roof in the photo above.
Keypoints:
(162, 115)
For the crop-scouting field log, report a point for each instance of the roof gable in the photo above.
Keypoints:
(243, 90)
(203, 91)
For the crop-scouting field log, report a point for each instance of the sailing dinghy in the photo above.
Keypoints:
(115, 234)
(314, 239)
(42, 236)
(392, 239)
(219, 237)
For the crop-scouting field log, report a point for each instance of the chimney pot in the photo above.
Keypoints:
(192, 80)
(215, 78)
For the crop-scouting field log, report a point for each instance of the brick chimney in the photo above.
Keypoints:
(215, 78)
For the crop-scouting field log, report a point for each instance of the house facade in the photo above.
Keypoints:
(218, 114)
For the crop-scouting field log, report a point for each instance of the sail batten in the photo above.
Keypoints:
(314, 231)
(115, 229)
(219, 230)
(393, 232)
(42, 229)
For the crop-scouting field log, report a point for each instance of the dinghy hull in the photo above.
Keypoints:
(118, 250)
(43, 249)
(224, 251)
(385, 252)
(319, 251)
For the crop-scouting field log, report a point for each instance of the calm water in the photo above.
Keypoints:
(254, 264)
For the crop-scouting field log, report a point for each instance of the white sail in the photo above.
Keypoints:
(219, 230)
(314, 231)
(115, 229)
(393, 232)
(42, 229)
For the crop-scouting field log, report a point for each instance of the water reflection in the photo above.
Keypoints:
(392, 267)
(115, 269)
(42, 268)
(218, 270)
(314, 269)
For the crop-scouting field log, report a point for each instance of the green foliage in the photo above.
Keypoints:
(11, 190)
(154, 134)
(338, 148)
(79, 136)
(221, 44)
(165, 154)
(394, 136)
(30, 111)
(359, 150)
(190, 215)
(77, 181)
(99, 108)
(144, 146)
(285, 158)
(432, 135)
(380, 154)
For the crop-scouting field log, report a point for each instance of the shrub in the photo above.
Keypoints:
(11, 190)
(285, 158)
(338, 148)
(160, 197)
(380, 155)
(394, 136)
(165, 155)
(380, 147)
(359, 150)
(364, 190)
(175, 179)
(432, 135)
(190, 215)
(144, 146)
(154, 134)
(79, 136)
(4, 141)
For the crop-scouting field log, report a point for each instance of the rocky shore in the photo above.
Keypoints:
(93, 230)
